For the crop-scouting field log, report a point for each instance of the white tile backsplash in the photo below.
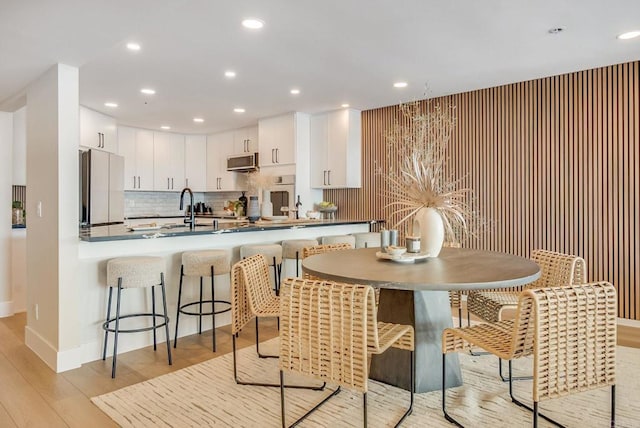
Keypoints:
(139, 204)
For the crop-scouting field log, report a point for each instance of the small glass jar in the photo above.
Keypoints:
(413, 244)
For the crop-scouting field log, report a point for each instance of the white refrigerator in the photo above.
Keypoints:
(101, 188)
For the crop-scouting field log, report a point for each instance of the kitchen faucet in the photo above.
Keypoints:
(191, 220)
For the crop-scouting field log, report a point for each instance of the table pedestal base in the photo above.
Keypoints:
(429, 312)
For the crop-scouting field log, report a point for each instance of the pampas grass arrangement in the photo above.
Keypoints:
(418, 143)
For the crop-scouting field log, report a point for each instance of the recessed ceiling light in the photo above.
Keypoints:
(147, 91)
(133, 46)
(253, 23)
(230, 74)
(111, 105)
(556, 30)
(198, 119)
(295, 91)
(344, 105)
(165, 127)
(629, 35)
(400, 85)
(239, 110)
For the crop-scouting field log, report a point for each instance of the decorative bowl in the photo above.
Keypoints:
(313, 215)
(395, 251)
(328, 209)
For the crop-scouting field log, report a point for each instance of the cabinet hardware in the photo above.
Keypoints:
(329, 177)
(134, 181)
(138, 182)
(273, 158)
(324, 177)
(171, 183)
(277, 155)
(168, 188)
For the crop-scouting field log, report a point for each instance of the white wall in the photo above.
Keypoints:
(52, 241)
(20, 147)
(6, 142)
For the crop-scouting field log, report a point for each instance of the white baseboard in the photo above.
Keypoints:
(6, 309)
(57, 361)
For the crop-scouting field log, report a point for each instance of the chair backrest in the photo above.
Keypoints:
(557, 269)
(250, 287)
(321, 249)
(325, 328)
(326, 248)
(575, 338)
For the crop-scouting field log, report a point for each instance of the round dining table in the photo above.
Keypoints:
(416, 293)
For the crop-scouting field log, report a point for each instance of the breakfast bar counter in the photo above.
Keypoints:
(99, 244)
(159, 229)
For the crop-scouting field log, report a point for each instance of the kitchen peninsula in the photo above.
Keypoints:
(99, 244)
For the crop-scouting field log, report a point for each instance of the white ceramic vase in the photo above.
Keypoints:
(428, 224)
(267, 207)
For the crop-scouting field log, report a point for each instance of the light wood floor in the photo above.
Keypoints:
(32, 395)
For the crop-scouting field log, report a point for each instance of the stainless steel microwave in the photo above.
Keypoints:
(243, 162)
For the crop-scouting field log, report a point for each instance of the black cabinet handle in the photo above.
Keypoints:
(329, 177)
(171, 183)
(134, 181)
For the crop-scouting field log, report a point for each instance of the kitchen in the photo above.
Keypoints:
(65, 275)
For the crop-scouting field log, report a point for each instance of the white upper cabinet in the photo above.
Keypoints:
(219, 146)
(195, 162)
(277, 137)
(336, 149)
(168, 161)
(98, 131)
(245, 140)
(136, 145)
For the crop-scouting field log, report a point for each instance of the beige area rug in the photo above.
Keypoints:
(206, 395)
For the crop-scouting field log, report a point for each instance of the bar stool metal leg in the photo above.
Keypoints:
(175, 338)
(117, 329)
(213, 308)
(153, 317)
(200, 310)
(166, 318)
(106, 332)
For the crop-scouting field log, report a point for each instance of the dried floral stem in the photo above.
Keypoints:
(418, 145)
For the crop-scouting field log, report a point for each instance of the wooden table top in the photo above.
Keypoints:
(453, 269)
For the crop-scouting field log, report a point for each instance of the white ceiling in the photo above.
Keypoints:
(334, 51)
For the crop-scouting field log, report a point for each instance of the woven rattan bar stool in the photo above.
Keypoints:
(292, 250)
(203, 264)
(273, 254)
(341, 333)
(135, 272)
(367, 239)
(339, 239)
(571, 332)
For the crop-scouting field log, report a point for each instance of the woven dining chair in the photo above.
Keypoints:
(455, 296)
(253, 297)
(328, 331)
(321, 249)
(556, 269)
(570, 331)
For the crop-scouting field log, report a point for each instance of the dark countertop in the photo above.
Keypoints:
(120, 232)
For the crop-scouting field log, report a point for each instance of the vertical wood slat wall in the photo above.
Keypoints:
(554, 163)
